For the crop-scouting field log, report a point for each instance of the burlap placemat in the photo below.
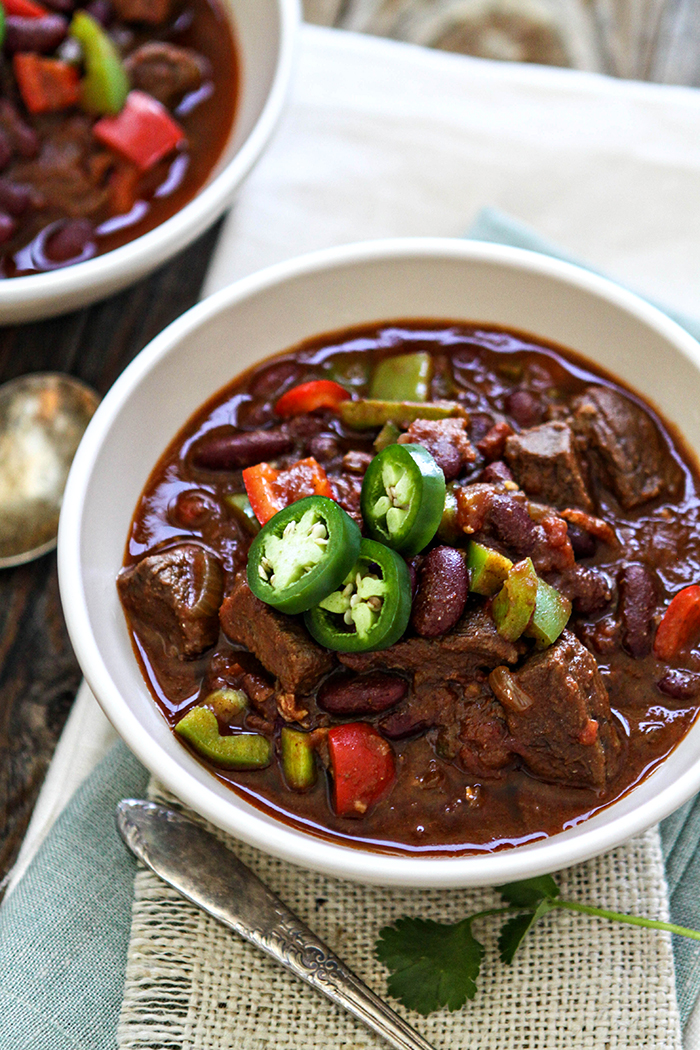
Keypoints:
(191, 984)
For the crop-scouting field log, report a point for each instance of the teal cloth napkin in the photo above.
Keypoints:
(64, 931)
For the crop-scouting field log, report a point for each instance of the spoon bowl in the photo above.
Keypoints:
(43, 416)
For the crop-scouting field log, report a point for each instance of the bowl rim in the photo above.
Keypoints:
(200, 212)
(286, 842)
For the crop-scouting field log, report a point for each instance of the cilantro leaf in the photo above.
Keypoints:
(433, 964)
(529, 892)
(513, 931)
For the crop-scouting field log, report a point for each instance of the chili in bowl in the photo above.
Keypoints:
(125, 128)
(410, 593)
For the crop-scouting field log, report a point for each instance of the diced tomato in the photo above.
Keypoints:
(46, 84)
(270, 490)
(307, 397)
(679, 624)
(24, 8)
(363, 766)
(144, 132)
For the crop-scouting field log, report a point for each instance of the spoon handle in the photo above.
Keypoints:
(203, 870)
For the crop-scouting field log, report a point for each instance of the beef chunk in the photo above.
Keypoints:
(446, 440)
(173, 599)
(441, 667)
(154, 12)
(625, 446)
(545, 464)
(484, 747)
(280, 643)
(165, 71)
(71, 172)
(588, 589)
(473, 643)
(567, 734)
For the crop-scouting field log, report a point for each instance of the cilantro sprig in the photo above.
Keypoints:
(435, 965)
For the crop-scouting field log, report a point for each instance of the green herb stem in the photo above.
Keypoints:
(633, 920)
(509, 908)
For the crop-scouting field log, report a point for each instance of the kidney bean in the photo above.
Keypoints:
(7, 227)
(525, 408)
(324, 447)
(252, 415)
(15, 197)
(400, 724)
(496, 472)
(6, 149)
(228, 451)
(583, 544)
(680, 685)
(636, 607)
(512, 524)
(69, 241)
(479, 425)
(366, 695)
(24, 138)
(34, 34)
(443, 588)
(271, 380)
(101, 10)
(64, 6)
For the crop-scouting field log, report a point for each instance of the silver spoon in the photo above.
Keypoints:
(43, 416)
(205, 872)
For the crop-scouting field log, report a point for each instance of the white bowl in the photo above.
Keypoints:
(266, 33)
(269, 312)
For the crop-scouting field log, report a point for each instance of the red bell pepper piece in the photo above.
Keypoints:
(270, 490)
(363, 766)
(144, 132)
(24, 8)
(679, 623)
(307, 397)
(46, 84)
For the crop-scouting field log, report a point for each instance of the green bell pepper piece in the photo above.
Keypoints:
(370, 609)
(350, 369)
(226, 703)
(388, 435)
(488, 570)
(302, 554)
(367, 413)
(514, 605)
(405, 377)
(2, 25)
(200, 728)
(448, 529)
(239, 504)
(298, 763)
(551, 615)
(403, 497)
(105, 84)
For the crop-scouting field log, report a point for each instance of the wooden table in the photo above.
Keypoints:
(39, 674)
(648, 39)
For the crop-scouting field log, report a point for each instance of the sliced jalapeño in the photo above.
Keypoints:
(403, 498)
(302, 554)
(371, 607)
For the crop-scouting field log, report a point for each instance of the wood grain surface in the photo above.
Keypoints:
(39, 674)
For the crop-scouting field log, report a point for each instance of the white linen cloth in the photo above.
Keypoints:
(386, 139)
